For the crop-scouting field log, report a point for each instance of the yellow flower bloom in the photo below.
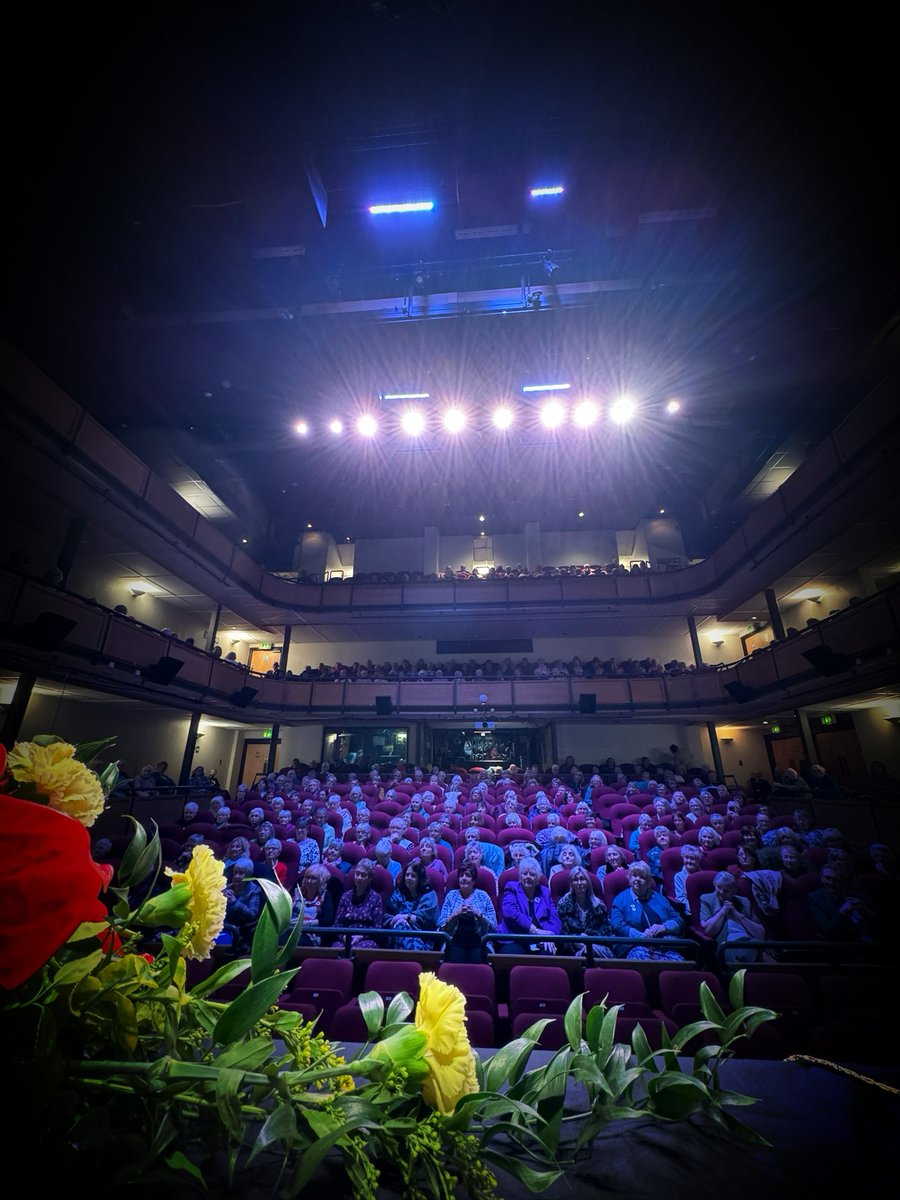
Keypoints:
(205, 880)
(69, 785)
(441, 1016)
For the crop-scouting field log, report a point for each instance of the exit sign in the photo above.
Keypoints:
(827, 719)
(267, 733)
(775, 728)
(264, 646)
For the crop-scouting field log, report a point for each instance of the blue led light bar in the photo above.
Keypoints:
(379, 210)
(547, 387)
(556, 189)
(406, 396)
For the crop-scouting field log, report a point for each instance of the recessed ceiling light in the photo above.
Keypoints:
(481, 517)
(581, 514)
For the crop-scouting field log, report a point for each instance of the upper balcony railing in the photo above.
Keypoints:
(46, 630)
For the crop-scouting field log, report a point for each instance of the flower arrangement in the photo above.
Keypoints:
(130, 1077)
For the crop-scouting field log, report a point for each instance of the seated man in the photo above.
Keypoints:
(839, 914)
(726, 917)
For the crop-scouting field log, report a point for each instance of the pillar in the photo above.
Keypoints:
(273, 749)
(695, 641)
(15, 713)
(714, 747)
(187, 761)
(431, 550)
(532, 546)
(71, 543)
(214, 629)
(774, 614)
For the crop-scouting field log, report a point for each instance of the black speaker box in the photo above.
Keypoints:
(384, 706)
(587, 702)
(740, 692)
(827, 661)
(163, 671)
(242, 697)
(47, 631)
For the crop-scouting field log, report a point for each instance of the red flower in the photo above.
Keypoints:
(48, 886)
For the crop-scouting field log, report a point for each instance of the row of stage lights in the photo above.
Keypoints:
(552, 414)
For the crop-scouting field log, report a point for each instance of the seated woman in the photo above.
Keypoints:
(580, 911)
(527, 907)
(642, 912)
(429, 859)
(466, 915)
(613, 860)
(567, 858)
(272, 858)
(644, 822)
(413, 905)
(244, 901)
(314, 897)
(726, 917)
(238, 847)
(361, 906)
(653, 857)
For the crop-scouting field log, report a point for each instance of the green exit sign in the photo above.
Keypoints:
(267, 733)
(827, 718)
(775, 728)
(264, 646)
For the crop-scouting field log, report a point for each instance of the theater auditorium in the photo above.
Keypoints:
(453, 449)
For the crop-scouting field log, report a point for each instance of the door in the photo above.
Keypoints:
(264, 660)
(785, 752)
(840, 754)
(255, 758)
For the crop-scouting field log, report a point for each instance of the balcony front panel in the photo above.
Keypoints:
(857, 629)
(375, 594)
(428, 593)
(162, 496)
(534, 591)
(480, 593)
(90, 622)
(499, 693)
(542, 693)
(111, 456)
(132, 644)
(818, 467)
(425, 695)
(648, 691)
(327, 695)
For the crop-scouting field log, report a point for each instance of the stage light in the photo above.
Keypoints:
(502, 418)
(406, 396)
(481, 517)
(302, 428)
(585, 414)
(410, 206)
(621, 410)
(547, 387)
(454, 420)
(662, 512)
(367, 425)
(412, 422)
(553, 189)
(336, 426)
(581, 514)
(552, 414)
(673, 406)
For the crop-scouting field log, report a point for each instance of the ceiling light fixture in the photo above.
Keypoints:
(302, 428)
(586, 414)
(409, 206)
(454, 420)
(336, 426)
(367, 425)
(621, 410)
(552, 414)
(412, 422)
(406, 396)
(546, 387)
(551, 189)
(502, 418)
(673, 406)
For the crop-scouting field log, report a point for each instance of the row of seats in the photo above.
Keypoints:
(821, 1009)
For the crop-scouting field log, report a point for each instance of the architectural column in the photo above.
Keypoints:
(774, 613)
(714, 747)
(806, 736)
(15, 714)
(214, 629)
(273, 749)
(532, 545)
(431, 550)
(695, 641)
(285, 648)
(71, 543)
(187, 761)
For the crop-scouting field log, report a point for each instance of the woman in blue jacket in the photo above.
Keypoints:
(526, 907)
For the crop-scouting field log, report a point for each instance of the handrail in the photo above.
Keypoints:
(347, 932)
(589, 940)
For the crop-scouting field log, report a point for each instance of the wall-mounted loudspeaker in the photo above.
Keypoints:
(163, 671)
(384, 706)
(740, 692)
(242, 697)
(827, 661)
(47, 631)
(587, 702)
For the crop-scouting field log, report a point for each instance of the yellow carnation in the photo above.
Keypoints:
(441, 1016)
(205, 881)
(69, 785)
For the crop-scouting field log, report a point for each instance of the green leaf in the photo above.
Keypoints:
(676, 1096)
(709, 1006)
(608, 1030)
(371, 1005)
(593, 1026)
(280, 1126)
(177, 1161)
(641, 1048)
(173, 954)
(135, 849)
(739, 1098)
(88, 929)
(248, 1056)
(507, 1063)
(279, 901)
(228, 1100)
(243, 1013)
(736, 989)
(572, 1022)
(287, 950)
(86, 752)
(219, 978)
(46, 739)
(76, 970)
(684, 1035)
(309, 1160)
(399, 1008)
(535, 1181)
(264, 949)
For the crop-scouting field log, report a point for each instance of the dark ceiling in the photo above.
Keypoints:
(726, 236)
